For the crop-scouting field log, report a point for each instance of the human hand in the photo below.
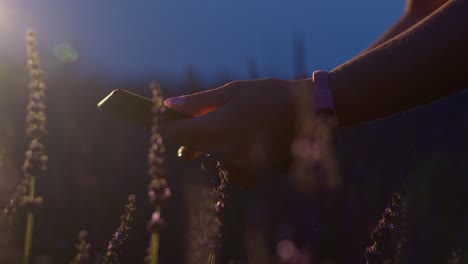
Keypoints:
(238, 119)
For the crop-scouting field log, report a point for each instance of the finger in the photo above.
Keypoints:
(202, 102)
(190, 132)
(226, 147)
(185, 153)
(213, 146)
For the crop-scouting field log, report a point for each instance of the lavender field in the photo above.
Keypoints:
(401, 195)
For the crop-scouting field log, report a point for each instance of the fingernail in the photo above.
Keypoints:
(186, 154)
(175, 101)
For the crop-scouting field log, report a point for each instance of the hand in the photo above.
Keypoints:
(244, 121)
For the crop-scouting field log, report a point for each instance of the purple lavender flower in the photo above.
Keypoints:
(204, 225)
(158, 189)
(156, 222)
(10, 208)
(35, 162)
(455, 257)
(31, 204)
(120, 236)
(35, 118)
(219, 197)
(388, 236)
(82, 248)
(206, 220)
(313, 148)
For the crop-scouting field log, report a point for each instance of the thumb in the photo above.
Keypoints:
(200, 103)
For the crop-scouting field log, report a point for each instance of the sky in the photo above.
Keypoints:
(140, 38)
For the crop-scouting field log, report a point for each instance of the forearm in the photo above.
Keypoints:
(424, 63)
(405, 22)
(415, 11)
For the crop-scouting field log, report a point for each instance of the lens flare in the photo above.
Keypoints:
(65, 53)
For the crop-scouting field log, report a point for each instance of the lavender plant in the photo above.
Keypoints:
(82, 248)
(402, 232)
(11, 208)
(158, 189)
(219, 197)
(313, 153)
(114, 249)
(219, 192)
(390, 235)
(455, 257)
(312, 148)
(203, 225)
(387, 238)
(205, 205)
(35, 162)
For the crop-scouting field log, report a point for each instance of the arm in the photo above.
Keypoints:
(415, 11)
(426, 62)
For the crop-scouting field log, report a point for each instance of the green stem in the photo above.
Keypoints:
(29, 223)
(154, 247)
(212, 258)
(155, 243)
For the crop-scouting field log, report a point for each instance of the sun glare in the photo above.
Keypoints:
(6, 16)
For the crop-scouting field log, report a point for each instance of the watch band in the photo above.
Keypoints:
(322, 98)
(323, 103)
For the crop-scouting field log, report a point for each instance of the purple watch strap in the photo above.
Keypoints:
(322, 97)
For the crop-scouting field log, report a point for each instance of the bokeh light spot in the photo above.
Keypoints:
(286, 250)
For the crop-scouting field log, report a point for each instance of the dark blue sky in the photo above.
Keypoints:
(141, 38)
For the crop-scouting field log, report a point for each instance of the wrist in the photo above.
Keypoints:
(322, 97)
(323, 103)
